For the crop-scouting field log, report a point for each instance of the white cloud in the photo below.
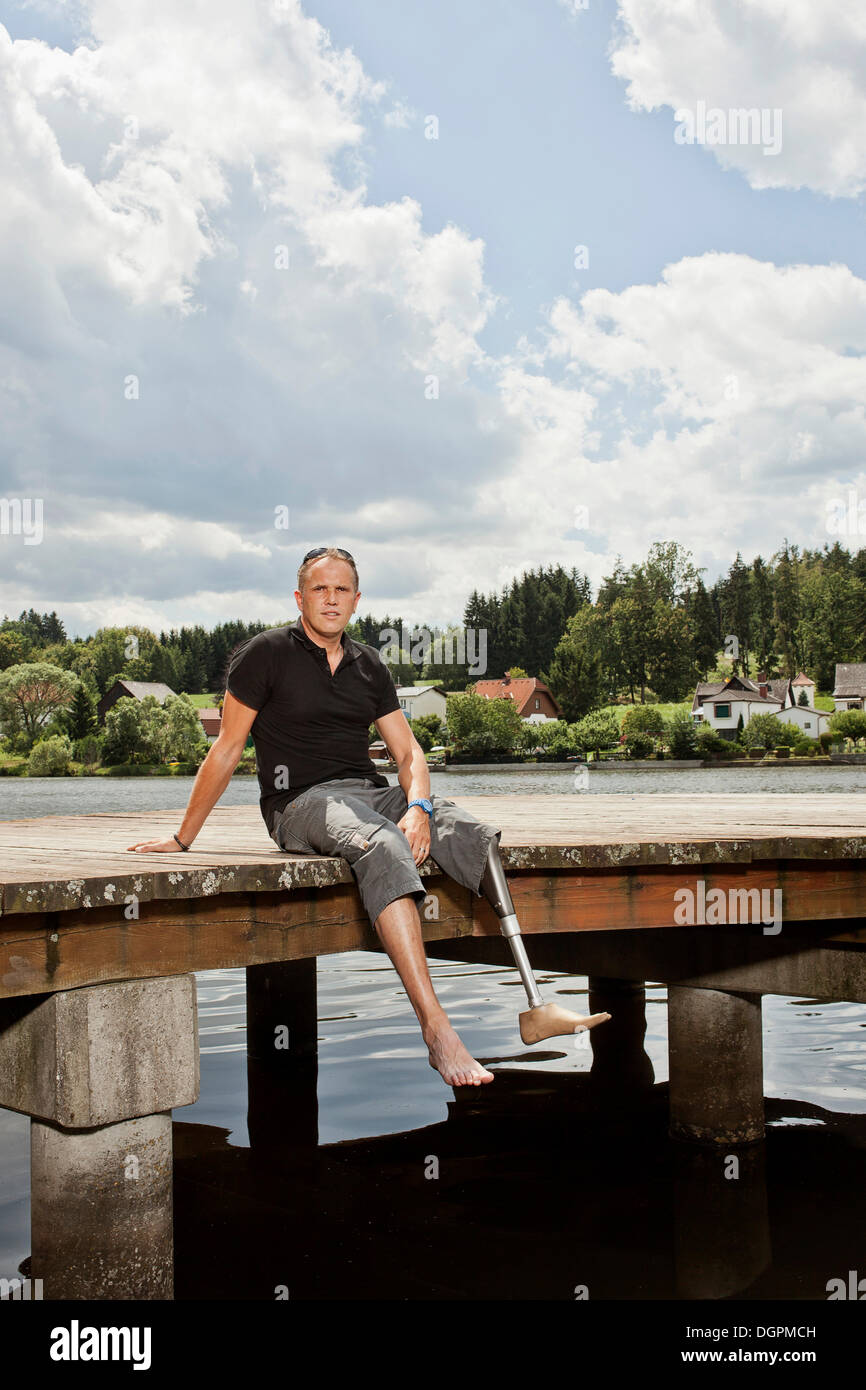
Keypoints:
(804, 59)
(400, 116)
(153, 251)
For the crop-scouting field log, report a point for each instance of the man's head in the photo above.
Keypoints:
(327, 593)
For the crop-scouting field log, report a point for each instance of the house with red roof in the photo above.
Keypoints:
(532, 698)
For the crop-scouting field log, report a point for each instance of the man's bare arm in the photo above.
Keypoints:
(212, 777)
(413, 776)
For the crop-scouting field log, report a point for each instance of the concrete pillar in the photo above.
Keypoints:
(620, 1065)
(716, 1066)
(282, 1054)
(101, 1209)
(98, 1070)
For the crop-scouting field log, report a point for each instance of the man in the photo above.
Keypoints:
(309, 693)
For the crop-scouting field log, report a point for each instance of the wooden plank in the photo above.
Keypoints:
(45, 952)
(50, 951)
(58, 863)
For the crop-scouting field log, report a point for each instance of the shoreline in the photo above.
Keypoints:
(600, 765)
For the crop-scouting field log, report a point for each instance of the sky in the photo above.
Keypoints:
(467, 289)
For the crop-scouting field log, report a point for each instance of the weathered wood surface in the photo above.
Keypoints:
(59, 863)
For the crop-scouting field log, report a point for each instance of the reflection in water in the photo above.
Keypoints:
(552, 1178)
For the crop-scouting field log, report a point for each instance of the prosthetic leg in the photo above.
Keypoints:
(540, 1020)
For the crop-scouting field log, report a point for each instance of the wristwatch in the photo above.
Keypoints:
(422, 801)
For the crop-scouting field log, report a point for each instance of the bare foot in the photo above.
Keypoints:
(449, 1057)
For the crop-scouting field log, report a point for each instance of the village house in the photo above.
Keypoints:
(211, 719)
(416, 700)
(532, 697)
(720, 704)
(137, 690)
(849, 692)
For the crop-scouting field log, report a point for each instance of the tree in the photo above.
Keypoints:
(682, 735)
(478, 725)
(762, 731)
(848, 723)
(31, 695)
(80, 717)
(787, 735)
(827, 629)
(596, 731)
(123, 731)
(49, 757)
(465, 716)
(643, 719)
(122, 652)
(737, 612)
(671, 663)
(803, 698)
(154, 731)
(762, 613)
(184, 737)
(631, 618)
(575, 673)
(706, 638)
(786, 606)
(433, 725)
(13, 649)
(422, 734)
(670, 572)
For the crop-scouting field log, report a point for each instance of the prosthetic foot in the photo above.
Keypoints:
(540, 1020)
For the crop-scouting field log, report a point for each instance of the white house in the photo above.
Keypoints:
(809, 721)
(416, 700)
(719, 704)
(849, 691)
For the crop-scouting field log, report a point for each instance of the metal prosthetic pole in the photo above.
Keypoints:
(540, 1020)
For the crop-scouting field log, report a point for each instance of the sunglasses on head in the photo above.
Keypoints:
(320, 550)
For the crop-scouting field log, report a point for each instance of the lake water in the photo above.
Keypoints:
(545, 1184)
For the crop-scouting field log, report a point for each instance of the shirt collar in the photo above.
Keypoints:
(351, 650)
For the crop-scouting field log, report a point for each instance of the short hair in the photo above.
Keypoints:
(330, 553)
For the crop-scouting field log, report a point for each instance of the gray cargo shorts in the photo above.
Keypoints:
(353, 818)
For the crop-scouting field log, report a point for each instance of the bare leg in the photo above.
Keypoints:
(399, 929)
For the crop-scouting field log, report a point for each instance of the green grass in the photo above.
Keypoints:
(666, 710)
(204, 701)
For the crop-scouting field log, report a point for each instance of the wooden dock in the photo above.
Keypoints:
(99, 945)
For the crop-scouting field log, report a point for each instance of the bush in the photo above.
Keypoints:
(730, 749)
(707, 742)
(788, 735)
(763, 731)
(826, 742)
(848, 723)
(50, 757)
(87, 750)
(643, 719)
(639, 745)
(682, 735)
(595, 731)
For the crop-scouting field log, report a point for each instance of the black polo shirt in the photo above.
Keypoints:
(311, 726)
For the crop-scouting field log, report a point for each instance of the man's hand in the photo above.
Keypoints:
(415, 825)
(157, 847)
